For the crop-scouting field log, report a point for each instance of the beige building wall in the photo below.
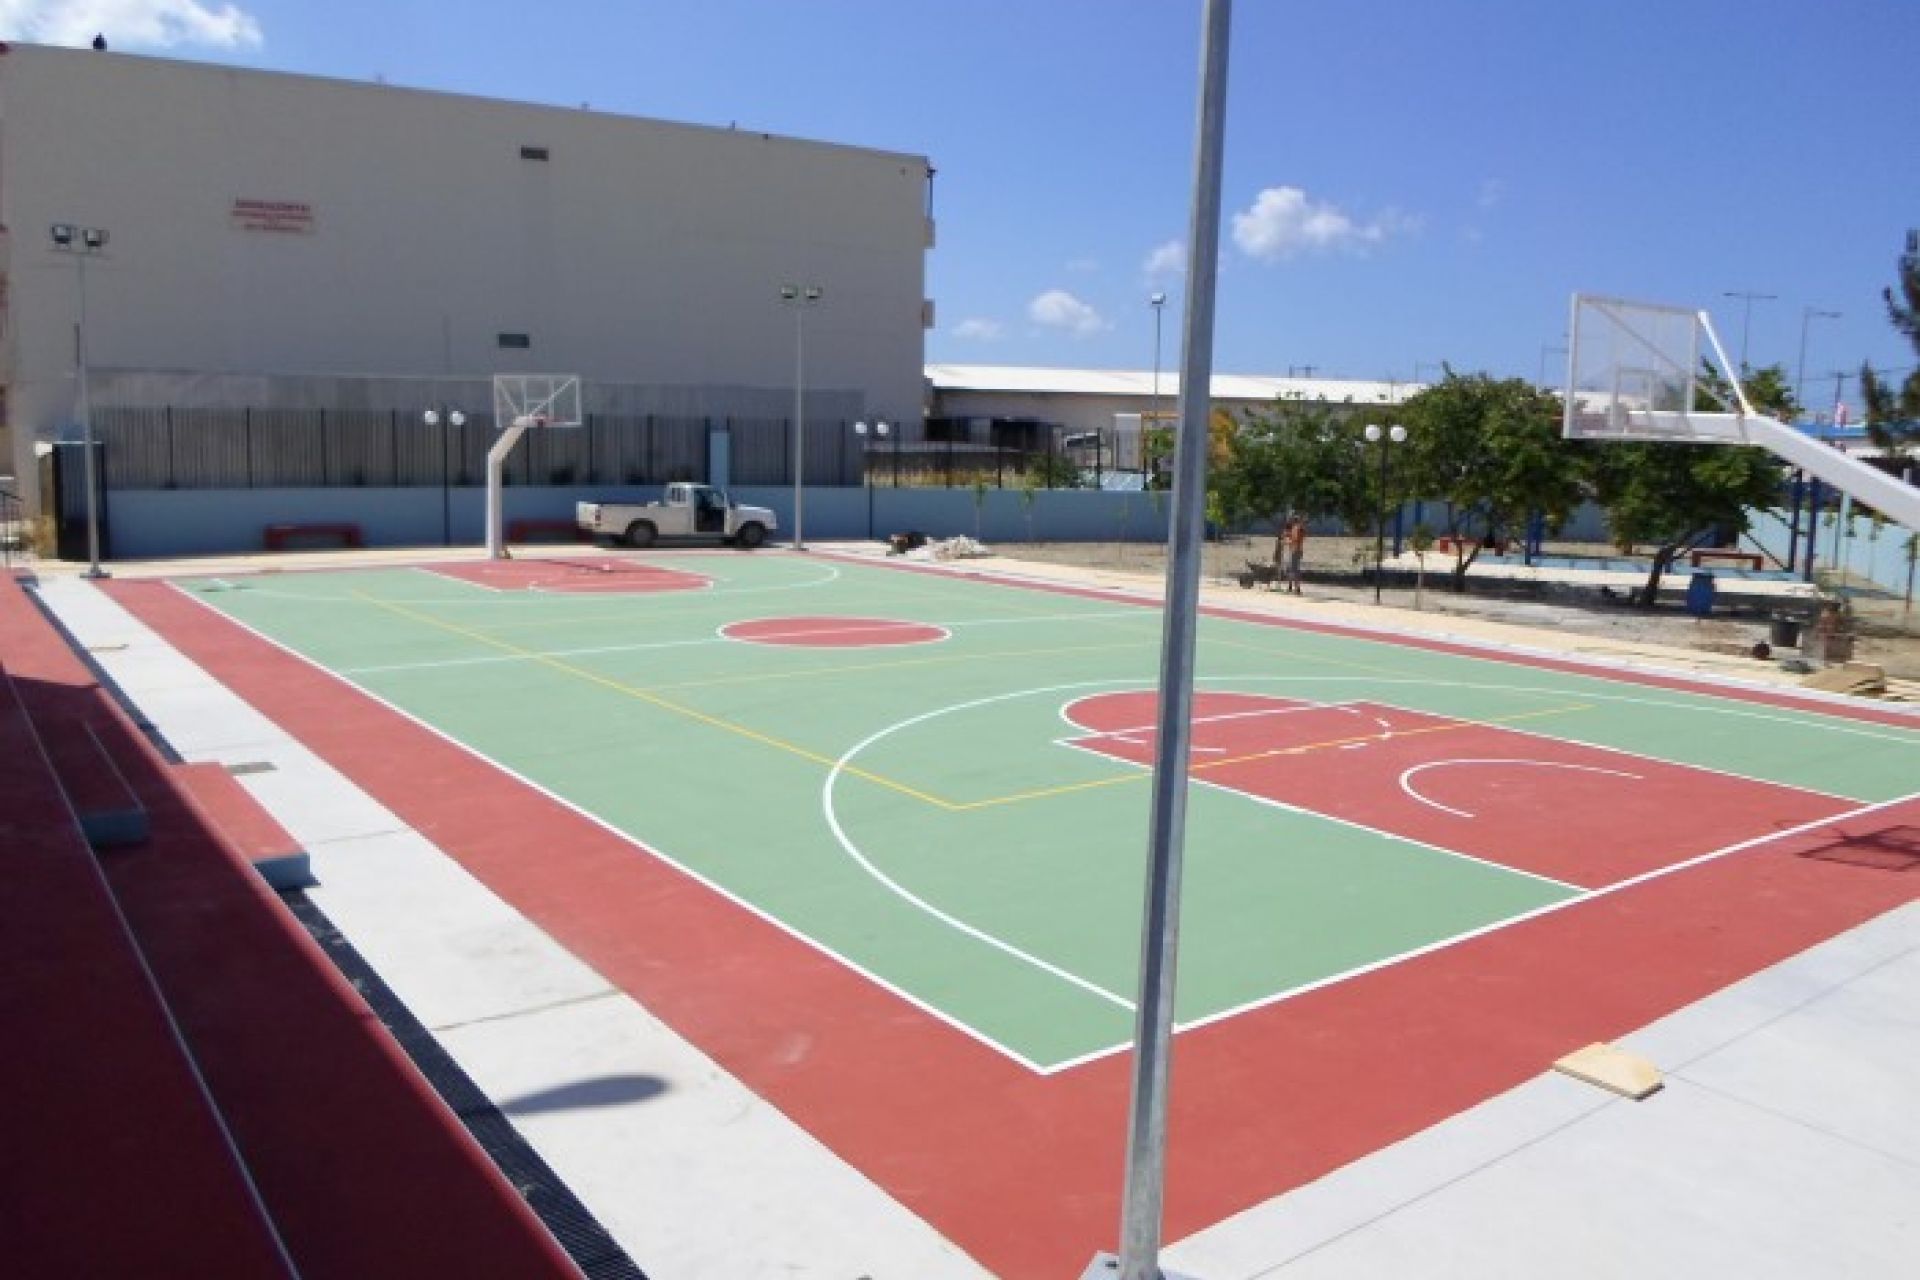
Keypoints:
(411, 233)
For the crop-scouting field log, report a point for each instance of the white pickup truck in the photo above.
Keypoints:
(687, 511)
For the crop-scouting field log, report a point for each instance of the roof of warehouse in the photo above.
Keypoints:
(1138, 382)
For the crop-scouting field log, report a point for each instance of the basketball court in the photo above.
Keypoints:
(870, 838)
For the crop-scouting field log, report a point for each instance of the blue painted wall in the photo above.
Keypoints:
(150, 523)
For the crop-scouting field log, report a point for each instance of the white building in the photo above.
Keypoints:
(285, 242)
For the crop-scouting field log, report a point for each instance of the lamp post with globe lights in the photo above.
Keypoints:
(878, 432)
(1385, 437)
(445, 417)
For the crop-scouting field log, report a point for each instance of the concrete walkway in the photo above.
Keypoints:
(1784, 1143)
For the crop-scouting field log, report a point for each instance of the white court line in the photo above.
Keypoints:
(1406, 778)
(912, 899)
(1442, 944)
(1705, 701)
(650, 850)
(535, 655)
(1319, 816)
(497, 598)
(1084, 732)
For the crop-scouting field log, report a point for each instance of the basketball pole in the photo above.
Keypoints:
(496, 466)
(1144, 1198)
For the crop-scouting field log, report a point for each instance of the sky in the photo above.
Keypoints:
(1407, 182)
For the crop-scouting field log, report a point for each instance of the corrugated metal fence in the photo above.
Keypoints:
(180, 448)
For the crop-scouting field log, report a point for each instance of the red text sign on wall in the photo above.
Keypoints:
(273, 215)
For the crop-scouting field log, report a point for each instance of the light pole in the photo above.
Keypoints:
(799, 297)
(880, 430)
(83, 243)
(1386, 437)
(445, 417)
(1159, 304)
(1747, 320)
(1807, 316)
(1547, 349)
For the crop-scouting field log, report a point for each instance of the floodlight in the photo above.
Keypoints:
(788, 293)
(62, 234)
(1373, 432)
(431, 417)
(813, 292)
(93, 237)
(457, 418)
(1397, 433)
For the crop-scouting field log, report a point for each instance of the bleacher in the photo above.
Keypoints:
(190, 1086)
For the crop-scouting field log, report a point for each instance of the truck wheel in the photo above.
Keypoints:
(641, 533)
(751, 536)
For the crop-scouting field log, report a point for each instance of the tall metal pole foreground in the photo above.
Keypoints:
(1145, 1194)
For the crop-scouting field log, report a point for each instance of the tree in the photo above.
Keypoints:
(1676, 495)
(1893, 414)
(1492, 452)
(1294, 456)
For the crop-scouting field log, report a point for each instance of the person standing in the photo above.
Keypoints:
(1295, 537)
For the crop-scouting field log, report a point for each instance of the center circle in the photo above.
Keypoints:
(833, 633)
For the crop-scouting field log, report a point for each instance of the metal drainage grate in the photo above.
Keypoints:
(592, 1249)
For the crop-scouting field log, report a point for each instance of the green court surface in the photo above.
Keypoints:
(925, 812)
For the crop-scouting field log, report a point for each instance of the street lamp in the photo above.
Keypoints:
(1159, 304)
(879, 430)
(1807, 316)
(1385, 437)
(445, 417)
(799, 297)
(83, 243)
(1747, 320)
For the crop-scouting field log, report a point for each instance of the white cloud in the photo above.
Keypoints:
(130, 24)
(977, 330)
(1492, 192)
(1284, 221)
(1169, 259)
(1058, 309)
(1084, 266)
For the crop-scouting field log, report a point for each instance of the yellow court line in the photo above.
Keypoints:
(754, 735)
(1047, 793)
(899, 665)
(653, 699)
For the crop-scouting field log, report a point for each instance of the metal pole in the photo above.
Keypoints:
(86, 423)
(1380, 525)
(446, 494)
(799, 422)
(1144, 1198)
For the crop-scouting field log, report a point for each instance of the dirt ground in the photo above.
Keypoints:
(1887, 630)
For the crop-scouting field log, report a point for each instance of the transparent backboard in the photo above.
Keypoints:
(536, 400)
(1633, 373)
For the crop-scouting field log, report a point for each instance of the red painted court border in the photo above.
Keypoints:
(1023, 1171)
(575, 576)
(1579, 815)
(833, 633)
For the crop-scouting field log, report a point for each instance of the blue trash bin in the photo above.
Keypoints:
(1700, 595)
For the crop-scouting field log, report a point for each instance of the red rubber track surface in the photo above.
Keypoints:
(1023, 1171)
(574, 575)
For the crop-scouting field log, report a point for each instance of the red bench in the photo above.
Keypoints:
(160, 981)
(524, 530)
(279, 535)
(117, 1162)
(1750, 559)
